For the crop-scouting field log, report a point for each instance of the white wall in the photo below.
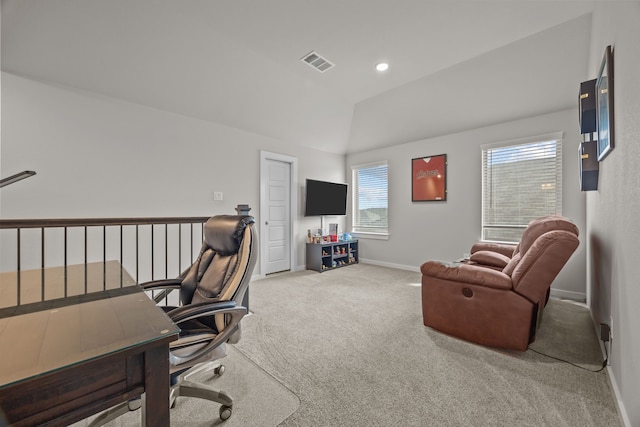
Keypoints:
(612, 212)
(173, 56)
(421, 231)
(100, 157)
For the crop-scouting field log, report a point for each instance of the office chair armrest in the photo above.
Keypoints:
(227, 307)
(192, 311)
(163, 285)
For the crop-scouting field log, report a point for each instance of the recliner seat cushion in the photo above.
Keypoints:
(513, 262)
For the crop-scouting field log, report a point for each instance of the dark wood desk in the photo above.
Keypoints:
(65, 359)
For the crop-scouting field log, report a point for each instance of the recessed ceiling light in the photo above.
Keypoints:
(383, 66)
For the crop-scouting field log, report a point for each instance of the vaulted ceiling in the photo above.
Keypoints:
(454, 64)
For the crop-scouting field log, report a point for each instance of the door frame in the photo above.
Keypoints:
(293, 206)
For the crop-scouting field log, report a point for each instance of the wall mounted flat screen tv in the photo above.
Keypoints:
(325, 198)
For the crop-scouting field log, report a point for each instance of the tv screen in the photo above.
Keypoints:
(325, 198)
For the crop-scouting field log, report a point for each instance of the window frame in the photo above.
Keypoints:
(485, 224)
(357, 230)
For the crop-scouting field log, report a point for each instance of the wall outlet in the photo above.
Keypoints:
(217, 195)
(605, 332)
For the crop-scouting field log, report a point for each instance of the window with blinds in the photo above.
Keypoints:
(370, 198)
(521, 180)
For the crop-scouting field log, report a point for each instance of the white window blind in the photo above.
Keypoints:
(521, 180)
(370, 198)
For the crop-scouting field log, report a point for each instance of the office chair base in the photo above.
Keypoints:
(225, 412)
(216, 366)
(201, 391)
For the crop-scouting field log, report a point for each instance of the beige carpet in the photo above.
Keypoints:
(351, 345)
(347, 347)
(259, 400)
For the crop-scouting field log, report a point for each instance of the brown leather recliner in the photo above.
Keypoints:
(499, 307)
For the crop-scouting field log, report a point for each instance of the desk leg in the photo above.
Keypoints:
(156, 379)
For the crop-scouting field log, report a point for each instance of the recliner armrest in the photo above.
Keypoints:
(490, 258)
(467, 274)
(501, 248)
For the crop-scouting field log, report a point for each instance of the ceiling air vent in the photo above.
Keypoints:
(316, 61)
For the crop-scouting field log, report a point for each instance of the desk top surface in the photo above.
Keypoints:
(51, 283)
(43, 337)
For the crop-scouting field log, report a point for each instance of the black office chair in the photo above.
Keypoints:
(209, 314)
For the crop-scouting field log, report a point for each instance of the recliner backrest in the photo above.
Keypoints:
(545, 247)
(544, 224)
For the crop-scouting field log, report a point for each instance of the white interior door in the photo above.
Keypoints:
(276, 220)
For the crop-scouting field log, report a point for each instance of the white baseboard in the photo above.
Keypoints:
(557, 293)
(390, 265)
(259, 276)
(622, 411)
(616, 392)
(562, 294)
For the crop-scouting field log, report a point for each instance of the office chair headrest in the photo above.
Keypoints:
(223, 233)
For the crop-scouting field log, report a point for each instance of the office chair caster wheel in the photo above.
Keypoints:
(219, 370)
(225, 412)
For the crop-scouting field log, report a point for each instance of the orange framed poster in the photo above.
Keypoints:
(429, 178)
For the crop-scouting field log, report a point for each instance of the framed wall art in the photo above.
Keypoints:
(604, 105)
(429, 178)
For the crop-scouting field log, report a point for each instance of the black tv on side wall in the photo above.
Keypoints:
(325, 198)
